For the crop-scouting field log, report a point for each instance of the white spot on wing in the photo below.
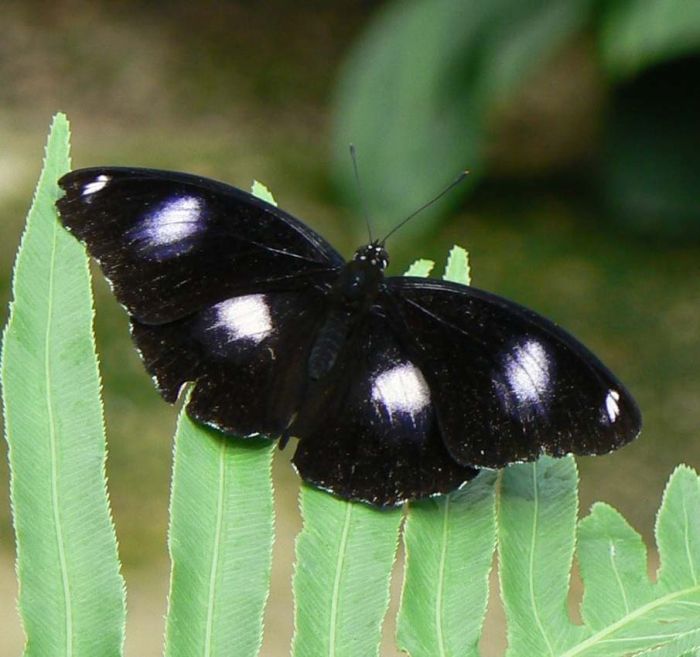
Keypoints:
(244, 318)
(611, 405)
(401, 389)
(528, 374)
(170, 228)
(528, 371)
(174, 221)
(95, 186)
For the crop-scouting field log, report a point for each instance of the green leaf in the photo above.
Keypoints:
(680, 646)
(345, 553)
(623, 612)
(449, 548)
(263, 192)
(420, 268)
(71, 593)
(417, 90)
(457, 268)
(536, 522)
(635, 34)
(678, 532)
(221, 534)
(613, 561)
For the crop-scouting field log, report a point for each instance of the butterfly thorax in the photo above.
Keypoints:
(353, 294)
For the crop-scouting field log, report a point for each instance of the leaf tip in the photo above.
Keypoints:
(262, 192)
(457, 269)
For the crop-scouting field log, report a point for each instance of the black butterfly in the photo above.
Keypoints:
(398, 388)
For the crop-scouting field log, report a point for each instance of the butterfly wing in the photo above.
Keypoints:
(508, 384)
(223, 289)
(247, 356)
(369, 432)
(172, 243)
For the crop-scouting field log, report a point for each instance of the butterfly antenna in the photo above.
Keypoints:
(363, 202)
(425, 206)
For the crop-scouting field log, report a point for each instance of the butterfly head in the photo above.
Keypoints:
(374, 253)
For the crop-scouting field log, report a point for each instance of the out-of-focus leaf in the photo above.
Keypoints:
(417, 88)
(635, 34)
(71, 593)
(650, 169)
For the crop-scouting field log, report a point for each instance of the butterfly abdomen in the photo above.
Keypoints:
(329, 341)
(353, 293)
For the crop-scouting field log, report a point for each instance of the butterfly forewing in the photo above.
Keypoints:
(369, 432)
(172, 244)
(509, 384)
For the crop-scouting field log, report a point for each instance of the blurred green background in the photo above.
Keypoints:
(578, 120)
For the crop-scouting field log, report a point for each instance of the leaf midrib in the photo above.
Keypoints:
(340, 563)
(533, 544)
(441, 579)
(54, 452)
(601, 635)
(618, 579)
(214, 570)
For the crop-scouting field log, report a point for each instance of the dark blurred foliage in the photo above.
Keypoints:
(650, 153)
(423, 88)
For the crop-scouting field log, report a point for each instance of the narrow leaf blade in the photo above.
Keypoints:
(678, 531)
(613, 562)
(537, 518)
(345, 553)
(221, 533)
(71, 592)
(449, 549)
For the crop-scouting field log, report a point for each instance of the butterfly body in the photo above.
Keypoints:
(398, 388)
(352, 297)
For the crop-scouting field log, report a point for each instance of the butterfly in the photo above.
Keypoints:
(398, 388)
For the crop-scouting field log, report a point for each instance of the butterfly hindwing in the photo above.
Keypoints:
(508, 384)
(172, 243)
(369, 431)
